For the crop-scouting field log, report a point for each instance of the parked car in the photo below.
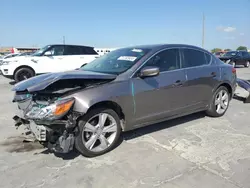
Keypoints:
(219, 54)
(123, 90)
(236, 58)
(51, 58)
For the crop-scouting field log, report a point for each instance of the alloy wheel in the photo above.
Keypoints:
(24, 75)
(221, 101)
(99, 132)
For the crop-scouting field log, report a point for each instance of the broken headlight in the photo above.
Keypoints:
(53, 111)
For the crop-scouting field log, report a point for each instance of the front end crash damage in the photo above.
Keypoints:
(245, 85)
(48, 111)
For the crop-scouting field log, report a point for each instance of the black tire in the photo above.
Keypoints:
(247, 64)
(23, 74)
(212, 107)
(79, 142)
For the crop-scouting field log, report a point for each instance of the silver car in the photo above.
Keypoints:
(128, 88)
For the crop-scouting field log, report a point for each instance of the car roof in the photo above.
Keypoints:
(70, 45)
(162, 46)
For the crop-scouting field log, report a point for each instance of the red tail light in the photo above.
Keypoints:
(234, 70)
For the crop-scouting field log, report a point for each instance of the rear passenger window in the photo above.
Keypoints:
(72, 50)
(193, 58)
(166, 60)
(88, 51)
(208, 58)
(80, 50)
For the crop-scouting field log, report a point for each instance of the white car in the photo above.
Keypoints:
(51, 58)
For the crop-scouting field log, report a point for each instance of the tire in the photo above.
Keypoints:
(212, 111)
(83, 137)
(247, 64)
(23, 74)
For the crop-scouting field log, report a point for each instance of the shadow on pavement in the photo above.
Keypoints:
(239, 98)
(12, 83)
(17, 144)
(160, 126)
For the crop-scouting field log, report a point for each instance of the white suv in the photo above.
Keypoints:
(51, 58)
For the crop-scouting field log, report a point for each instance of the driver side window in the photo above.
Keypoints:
(57, 50)
(166, 60)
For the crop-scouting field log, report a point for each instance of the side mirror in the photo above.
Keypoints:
(149, 72)
(48, 53)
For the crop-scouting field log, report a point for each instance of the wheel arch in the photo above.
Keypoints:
(23, 66)
(228, 86)
(112, 105)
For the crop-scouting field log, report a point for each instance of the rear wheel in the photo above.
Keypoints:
(247, 64)
(23, 74)
(219, 103)
(99, 132)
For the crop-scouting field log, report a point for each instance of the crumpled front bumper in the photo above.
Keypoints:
(245, 85)
(39, 131)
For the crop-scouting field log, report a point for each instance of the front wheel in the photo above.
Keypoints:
(220, 102)
(99, 132)
(23, 74)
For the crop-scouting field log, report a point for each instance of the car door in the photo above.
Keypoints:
(50, 61)
(160, 96)
(202, 76)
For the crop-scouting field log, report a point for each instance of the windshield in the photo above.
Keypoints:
(40, 51)
(117, 61)
(233, 53)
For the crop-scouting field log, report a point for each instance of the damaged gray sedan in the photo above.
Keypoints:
(123, 90)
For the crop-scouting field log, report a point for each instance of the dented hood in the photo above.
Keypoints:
(41, 82)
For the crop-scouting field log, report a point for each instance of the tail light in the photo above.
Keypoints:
(234, 70)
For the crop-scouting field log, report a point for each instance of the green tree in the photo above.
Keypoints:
(227, 50)
(242, 48)
(216, 50)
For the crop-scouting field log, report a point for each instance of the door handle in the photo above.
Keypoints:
(213, 74)
(178, 83)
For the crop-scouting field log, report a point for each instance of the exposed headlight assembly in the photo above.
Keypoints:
(52, 112)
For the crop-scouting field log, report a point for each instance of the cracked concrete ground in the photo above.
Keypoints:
(189, 152)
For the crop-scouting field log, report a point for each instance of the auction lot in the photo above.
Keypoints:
(194, 151)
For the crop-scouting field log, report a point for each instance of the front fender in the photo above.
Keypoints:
(24, 63)
(117, 92)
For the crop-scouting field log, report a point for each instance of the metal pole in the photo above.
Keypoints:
(63, 39)
(203, 31)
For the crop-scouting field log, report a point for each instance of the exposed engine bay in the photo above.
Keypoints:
(49, 113)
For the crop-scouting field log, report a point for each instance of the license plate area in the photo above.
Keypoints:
(39, 131)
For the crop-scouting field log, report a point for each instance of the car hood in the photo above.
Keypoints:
(43, 81)
(17, 58)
